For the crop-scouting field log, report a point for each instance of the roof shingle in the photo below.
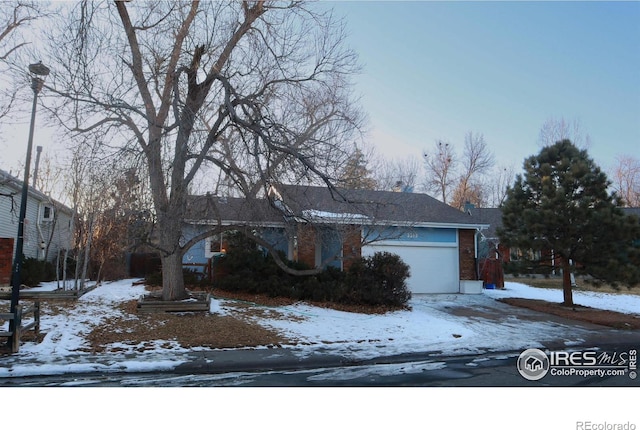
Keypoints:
(339, 205)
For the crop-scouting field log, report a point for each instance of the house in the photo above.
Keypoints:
(491, 254)
(47, 227)
(490, 249)
(323, 227)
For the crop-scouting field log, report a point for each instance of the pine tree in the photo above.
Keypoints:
(561, 207)
(356, 175)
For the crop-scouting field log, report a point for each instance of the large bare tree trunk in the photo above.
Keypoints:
(172, 279)
(566, 283)
(170, 233)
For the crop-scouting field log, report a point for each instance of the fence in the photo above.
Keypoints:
(18, 317)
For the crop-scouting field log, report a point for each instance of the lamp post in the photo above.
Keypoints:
(38, 71)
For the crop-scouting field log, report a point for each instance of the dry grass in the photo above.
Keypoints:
(191, 329)
(580, 313)
(202, 329)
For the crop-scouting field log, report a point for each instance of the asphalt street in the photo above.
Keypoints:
(283, 367)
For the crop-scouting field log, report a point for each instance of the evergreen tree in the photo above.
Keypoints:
(356, 175)
(561, 207)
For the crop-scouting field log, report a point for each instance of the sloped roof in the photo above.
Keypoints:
(491, 216)
(320, 204)
(209, 209)
(11, 181)
(377, 206)
(632, 211)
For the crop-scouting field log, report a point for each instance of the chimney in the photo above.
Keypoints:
(35, 170)
(468, 206)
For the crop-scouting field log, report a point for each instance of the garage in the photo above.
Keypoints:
(434, 268)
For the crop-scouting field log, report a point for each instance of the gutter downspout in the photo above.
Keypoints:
(475, 252)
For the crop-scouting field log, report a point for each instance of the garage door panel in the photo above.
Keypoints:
(433, 269)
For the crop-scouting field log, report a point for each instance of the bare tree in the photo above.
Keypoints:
(476, 162)
(558, 129)
(398, 174)
(626, 180)
(84, 174)
(501, 178)
(249, 92)
(459, 179)
(440, 167)
(113, 230)
(15, 17)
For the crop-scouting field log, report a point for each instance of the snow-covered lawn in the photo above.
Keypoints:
(448, 324)
(619, 302)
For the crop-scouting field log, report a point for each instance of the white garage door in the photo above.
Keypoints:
(433, 269)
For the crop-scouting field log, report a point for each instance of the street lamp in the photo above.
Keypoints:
(38, 71)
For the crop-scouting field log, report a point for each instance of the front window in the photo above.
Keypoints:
(215, 245)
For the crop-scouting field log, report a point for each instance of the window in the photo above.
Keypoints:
(47, 213)
(214, 245)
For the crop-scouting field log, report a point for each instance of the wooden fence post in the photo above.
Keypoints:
(15, 345)
(36, 317)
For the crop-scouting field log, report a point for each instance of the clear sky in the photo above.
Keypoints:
(436, 70)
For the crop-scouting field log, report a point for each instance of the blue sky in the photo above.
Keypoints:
(436, 70)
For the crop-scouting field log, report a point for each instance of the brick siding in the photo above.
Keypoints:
(307, 245)
(466, 241)
(6, 260)
(351, 246)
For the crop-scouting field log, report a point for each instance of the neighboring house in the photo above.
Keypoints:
(632, 211)
(489, 246)
(323, 228)
(46, 228)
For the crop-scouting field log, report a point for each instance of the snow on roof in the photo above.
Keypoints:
(317, 215)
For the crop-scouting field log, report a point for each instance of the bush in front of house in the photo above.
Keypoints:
(35, 271)
(380, 279)
(327, 286)
(247, 268)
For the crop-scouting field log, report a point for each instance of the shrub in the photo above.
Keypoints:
(376, 280)
(245, 268)
(35, 271)
(380, 279)
(154, 278)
